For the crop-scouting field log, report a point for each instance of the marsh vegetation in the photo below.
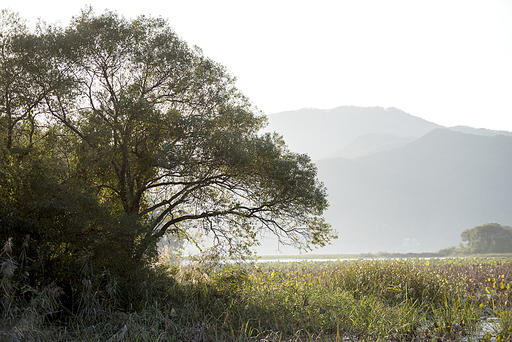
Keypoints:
(358, 300)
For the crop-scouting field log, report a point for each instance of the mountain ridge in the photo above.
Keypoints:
(417, 195)
(302, 129)
(430, 185)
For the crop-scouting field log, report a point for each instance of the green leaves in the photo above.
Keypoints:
(159, 134)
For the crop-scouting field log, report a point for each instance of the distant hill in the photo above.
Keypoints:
(320, 133)
(420, 196)
(398, 183)
(324, 133)
(370, 143)
(479, 131)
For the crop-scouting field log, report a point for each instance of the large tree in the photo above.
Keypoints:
(166, 138)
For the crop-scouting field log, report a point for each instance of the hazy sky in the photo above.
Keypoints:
(447, 61)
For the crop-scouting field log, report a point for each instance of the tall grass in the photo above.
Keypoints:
(364, 300)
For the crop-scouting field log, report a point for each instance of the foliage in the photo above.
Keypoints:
(295, 302)
(113, 135)
(60, 235)
(159, 130)
(488, 238)
(166, 136)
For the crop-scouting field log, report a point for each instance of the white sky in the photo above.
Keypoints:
(447, 61)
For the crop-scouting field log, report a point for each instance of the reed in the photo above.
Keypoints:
(360, 300)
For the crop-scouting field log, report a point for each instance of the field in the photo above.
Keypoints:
(454, 299)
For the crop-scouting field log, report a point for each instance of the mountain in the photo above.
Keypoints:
(320, 133)
(399, 183)
(479, 131)
(325, 133)
(419, 196)
(370, 143)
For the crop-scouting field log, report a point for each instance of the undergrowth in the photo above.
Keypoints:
(362, 300)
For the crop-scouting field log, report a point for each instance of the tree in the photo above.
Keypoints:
(26, 77)
(166, 139)
(488, 238)
(15, 105)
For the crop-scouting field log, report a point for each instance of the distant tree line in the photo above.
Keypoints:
(490, 238)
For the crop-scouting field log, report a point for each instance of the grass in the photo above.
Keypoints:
(449, 252)
(359, 300)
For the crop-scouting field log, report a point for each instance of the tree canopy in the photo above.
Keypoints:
(488, 238)
(114, 132)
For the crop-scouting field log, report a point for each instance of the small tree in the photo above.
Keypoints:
(488, 238)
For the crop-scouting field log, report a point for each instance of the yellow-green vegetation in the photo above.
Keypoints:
(358, 300)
